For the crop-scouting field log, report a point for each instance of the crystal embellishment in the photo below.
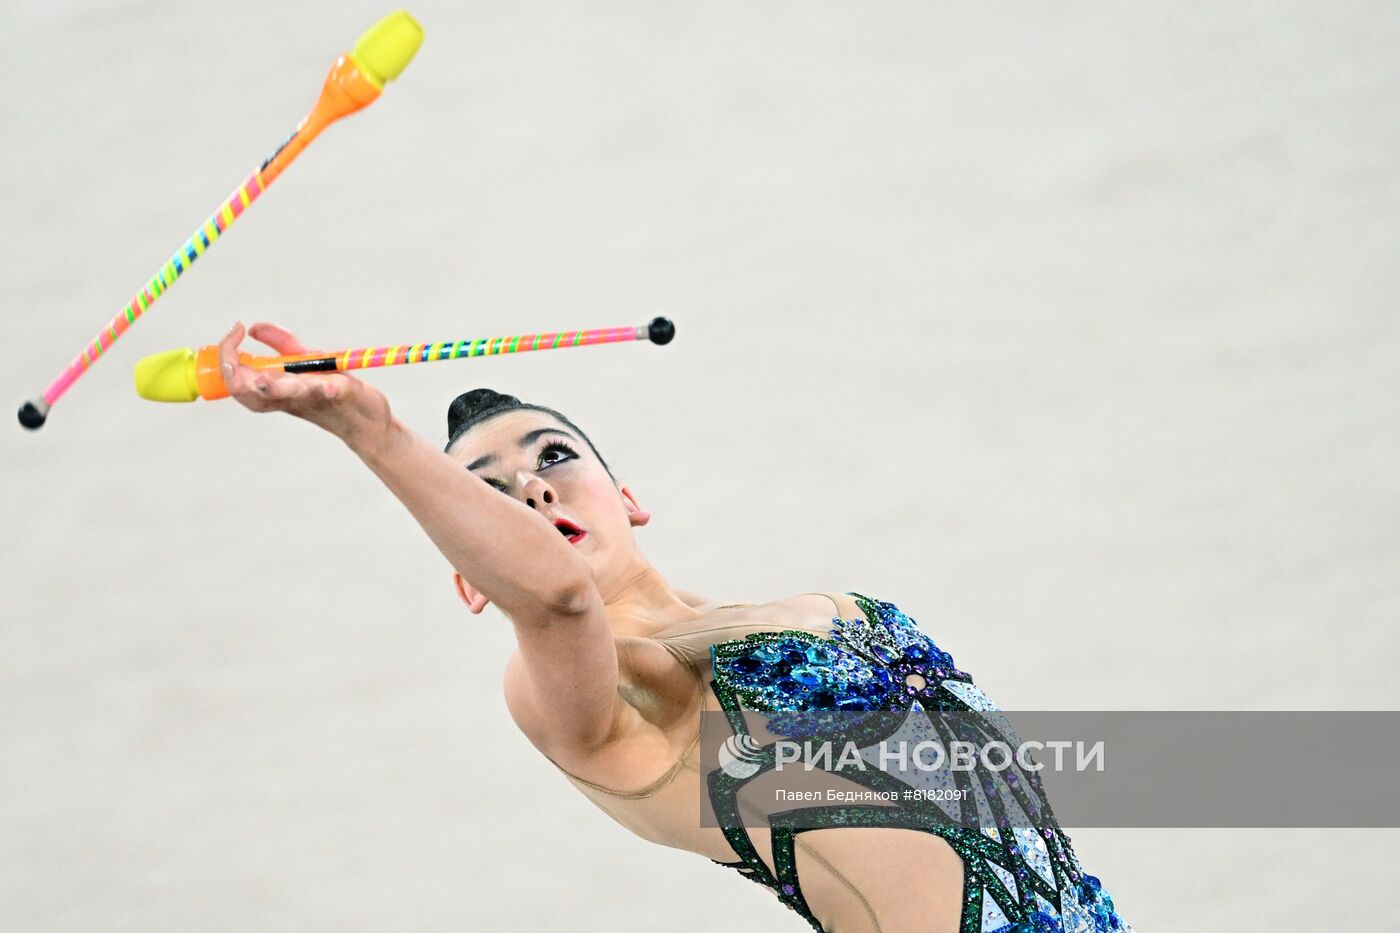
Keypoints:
(1024, 878)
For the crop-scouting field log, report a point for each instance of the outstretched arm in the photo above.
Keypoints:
(509, 552)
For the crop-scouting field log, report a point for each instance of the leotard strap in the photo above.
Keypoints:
(846, 606)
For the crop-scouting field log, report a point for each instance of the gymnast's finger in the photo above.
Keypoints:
(277, 388)
(238, 378)
(229, 366)
(283, 341)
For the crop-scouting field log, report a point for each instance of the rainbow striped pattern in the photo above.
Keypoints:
(203, 238)
(373, 357)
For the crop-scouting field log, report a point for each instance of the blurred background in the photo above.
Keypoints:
(1070, 330)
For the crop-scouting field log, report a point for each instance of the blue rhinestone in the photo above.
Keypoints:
(915, 653)
(747, 665)
(819, 654)
(805, 675)
(884, 654)
(823, 699)
(767, 653)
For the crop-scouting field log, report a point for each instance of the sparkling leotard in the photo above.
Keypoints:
(1021, 878)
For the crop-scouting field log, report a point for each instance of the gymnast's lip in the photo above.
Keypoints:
(569, 530)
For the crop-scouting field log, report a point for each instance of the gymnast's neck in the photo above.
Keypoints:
(644, 604)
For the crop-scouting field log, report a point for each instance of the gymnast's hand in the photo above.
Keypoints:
(349, 408)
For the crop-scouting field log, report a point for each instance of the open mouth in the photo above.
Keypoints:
(568, 529)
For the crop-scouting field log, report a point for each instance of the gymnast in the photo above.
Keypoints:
(613, 667)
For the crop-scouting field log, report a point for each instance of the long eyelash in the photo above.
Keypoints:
(552, 445)
(559, 445)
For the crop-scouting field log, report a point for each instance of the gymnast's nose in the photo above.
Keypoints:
(538, 493)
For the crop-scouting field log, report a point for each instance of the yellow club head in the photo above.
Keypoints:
(168, 376)
(386, 49)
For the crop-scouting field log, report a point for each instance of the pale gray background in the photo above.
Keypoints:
(1069, 329)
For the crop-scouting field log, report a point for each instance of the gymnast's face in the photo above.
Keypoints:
(534, 458)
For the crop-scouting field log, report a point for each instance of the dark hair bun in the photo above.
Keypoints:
(479, 404)
(470, 407)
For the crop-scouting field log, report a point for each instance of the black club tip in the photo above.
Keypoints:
(661, 330)
(31, 417)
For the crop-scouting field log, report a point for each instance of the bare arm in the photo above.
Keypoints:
(563, 693)
(510, 552)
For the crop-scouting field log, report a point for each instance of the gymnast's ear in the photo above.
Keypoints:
(469, 594)
(635, 514)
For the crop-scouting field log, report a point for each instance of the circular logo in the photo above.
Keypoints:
(740, 756)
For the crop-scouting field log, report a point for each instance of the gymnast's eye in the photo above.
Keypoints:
(555, 452)
(496, 484)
